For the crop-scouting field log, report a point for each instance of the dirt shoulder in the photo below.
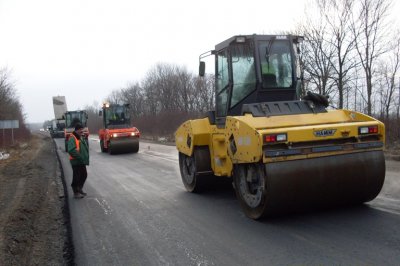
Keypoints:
(33, 212)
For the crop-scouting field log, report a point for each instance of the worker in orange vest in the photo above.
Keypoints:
(78, 150)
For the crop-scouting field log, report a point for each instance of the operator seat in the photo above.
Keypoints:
(269, 80)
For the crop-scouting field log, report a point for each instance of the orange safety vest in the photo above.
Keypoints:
(77, 146)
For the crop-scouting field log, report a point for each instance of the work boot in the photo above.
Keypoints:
(81, 191)
(78, 195)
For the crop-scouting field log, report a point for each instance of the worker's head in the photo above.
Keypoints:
(79, 128)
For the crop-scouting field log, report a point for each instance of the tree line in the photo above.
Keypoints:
(11, 109)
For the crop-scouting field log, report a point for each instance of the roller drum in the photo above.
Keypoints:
(325, 181)
(123, 145)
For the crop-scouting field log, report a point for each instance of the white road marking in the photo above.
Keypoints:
(386, 204)
(104, 205)
(160, 156)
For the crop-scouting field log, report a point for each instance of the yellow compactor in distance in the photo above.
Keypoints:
(282, 152)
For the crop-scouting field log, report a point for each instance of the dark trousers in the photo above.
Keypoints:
(79, 175)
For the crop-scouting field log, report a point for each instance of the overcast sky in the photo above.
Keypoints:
(85, 49)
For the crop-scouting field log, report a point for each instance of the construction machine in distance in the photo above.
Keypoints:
(72, 118)
(58, 124)
(56, 128)
(117, 134)
(282, 152)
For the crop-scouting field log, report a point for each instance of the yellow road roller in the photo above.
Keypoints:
(283, 152)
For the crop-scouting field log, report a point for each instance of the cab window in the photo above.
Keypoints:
(244, 75)
(276, 64)
(222, 84)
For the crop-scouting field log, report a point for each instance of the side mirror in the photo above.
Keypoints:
(100, 113)
(202, 68)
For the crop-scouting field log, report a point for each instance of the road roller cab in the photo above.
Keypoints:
(117, 134)
(283, 153)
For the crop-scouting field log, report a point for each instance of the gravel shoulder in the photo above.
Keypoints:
(34, 216)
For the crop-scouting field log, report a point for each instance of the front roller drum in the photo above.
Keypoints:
(123, 145)
(281, 187)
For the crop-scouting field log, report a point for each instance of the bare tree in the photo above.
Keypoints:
(316, 55)
(388, 70)
(159, 86)
(370, 30)
(134, 96)
(9, 104)
(94, 121)
(337, 14)
(204, 93)
(115, 97)
(185, 88)
(10, 107)
(150, 93)
(316, 59)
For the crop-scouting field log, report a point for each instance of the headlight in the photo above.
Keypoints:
(133, 134)
(115, 135)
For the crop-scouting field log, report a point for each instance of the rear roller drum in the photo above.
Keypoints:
(190, 168)
(250, 186)
(187, 167)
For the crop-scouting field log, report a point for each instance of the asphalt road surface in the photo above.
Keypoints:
(137, 212)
